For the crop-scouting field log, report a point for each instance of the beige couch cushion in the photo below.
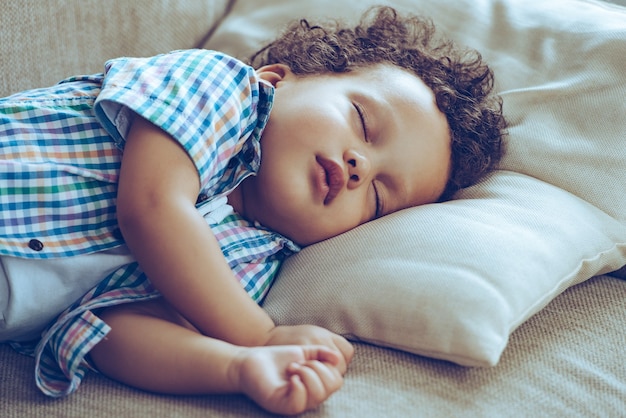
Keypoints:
(453, 281)
(70, 37)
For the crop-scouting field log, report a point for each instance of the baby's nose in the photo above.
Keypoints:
(358, 167)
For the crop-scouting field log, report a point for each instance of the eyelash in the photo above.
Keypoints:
(379, 208)
(359, 111)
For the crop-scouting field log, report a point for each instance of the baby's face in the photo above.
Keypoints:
(340, 150)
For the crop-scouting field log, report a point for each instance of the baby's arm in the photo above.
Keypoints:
(157, 191)
(152, 348)
(158, 188)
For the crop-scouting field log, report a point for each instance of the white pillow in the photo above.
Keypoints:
(453, 280)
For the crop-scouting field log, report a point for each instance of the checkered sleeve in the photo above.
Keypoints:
(253, 253)
(60, 363)
(205, 100)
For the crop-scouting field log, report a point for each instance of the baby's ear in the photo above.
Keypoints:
(274, 73)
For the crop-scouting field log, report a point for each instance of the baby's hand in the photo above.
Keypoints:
(313, 335)
(288, 379)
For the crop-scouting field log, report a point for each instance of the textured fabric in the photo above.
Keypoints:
(44, 42)
(212, 104)
(566, 361)
(452, 281)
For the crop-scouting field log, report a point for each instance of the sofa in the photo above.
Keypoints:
(510, 300)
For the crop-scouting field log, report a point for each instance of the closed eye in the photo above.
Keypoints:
(361, 113)
(379, 206)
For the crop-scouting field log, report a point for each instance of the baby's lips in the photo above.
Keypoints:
(335, 178)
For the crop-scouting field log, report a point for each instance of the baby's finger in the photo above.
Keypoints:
(298, 396)
(330, 377)
(322, 353)
(321, 380)
(315, 389)
(345, 347)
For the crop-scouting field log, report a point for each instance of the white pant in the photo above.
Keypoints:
(34, 292)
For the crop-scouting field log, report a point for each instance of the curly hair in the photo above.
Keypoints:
(461, 82)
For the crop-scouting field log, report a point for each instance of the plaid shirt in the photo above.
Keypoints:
(60, 152)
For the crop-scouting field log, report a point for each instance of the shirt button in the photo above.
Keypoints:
(35, 245)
